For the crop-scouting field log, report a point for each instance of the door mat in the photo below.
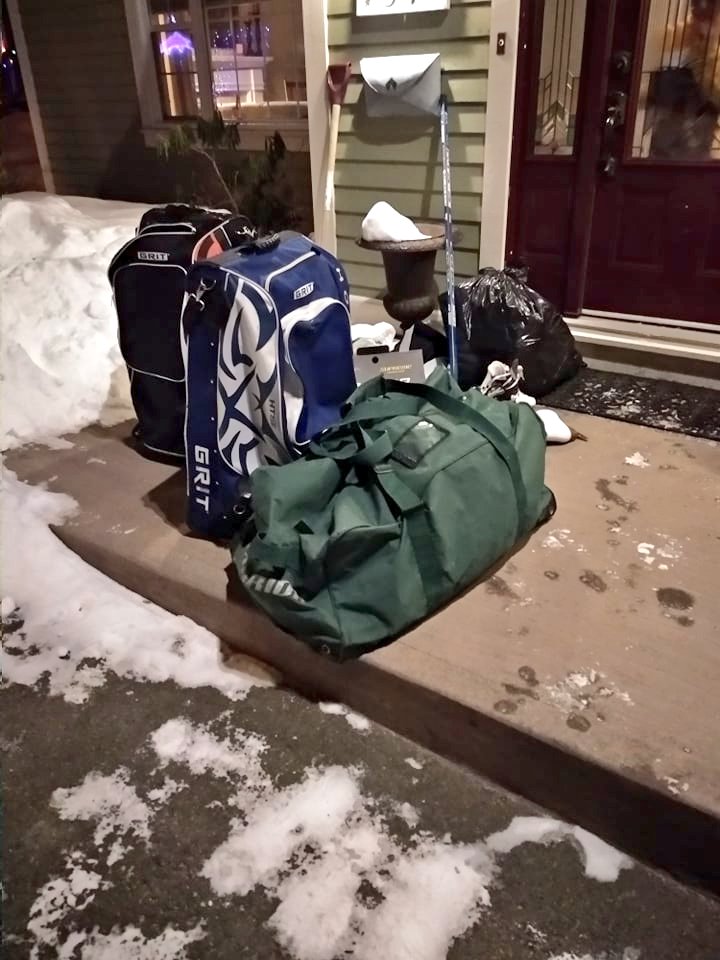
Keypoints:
(678, 407)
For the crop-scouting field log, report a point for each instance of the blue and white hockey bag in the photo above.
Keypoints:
(269, 364)
(148, 279)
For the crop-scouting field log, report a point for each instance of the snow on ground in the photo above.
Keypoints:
(72, 892)
(356, 720)
(320, 849)
(78, 624)
(110, 801)
(601, 861)
(59, 355)
(130, 944)
(629, 953)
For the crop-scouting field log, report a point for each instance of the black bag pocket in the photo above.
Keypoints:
(149, 298)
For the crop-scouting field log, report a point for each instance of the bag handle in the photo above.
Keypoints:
(372, 410)
(363, 450)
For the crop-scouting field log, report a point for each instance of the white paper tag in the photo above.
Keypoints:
(406, 366)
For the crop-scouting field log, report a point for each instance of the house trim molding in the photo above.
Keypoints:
(138, 27)
(31, 95)
(317, 58)
(504, 18)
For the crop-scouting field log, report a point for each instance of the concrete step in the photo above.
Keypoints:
(582, 675)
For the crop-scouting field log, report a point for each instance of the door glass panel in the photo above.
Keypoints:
(559, 76)
(678, 104)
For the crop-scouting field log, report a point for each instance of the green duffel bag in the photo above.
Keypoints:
(392, 512)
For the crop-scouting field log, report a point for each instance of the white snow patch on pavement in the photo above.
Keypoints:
(180, 741)
(71, 892)
(559, 538)
(318, 904)
(73, 613)
(333, 709)
(111, 801)
(168, 789)
(60, 361)
(130, 944)
(118, 851)
(536, 935)
(637, 460)
(667, 549)
(320, 848)
(579, 690)
(407, 812)
(601, 861)
(356, 720)
(629, 953)
(434, 895)
(312, 811)
(412, 762)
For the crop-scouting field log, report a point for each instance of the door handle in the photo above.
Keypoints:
(613, 120)
(615, 109)
(621, 62)
(609, 166)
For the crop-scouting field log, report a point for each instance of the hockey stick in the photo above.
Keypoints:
(449, 254)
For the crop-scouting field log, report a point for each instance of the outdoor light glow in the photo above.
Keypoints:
(176, 43)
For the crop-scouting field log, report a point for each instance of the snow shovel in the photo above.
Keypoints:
(338, 77)
(449, 253)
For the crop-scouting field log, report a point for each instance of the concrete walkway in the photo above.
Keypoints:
(583, 674)
(541, 903)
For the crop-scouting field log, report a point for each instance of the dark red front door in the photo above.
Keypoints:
(615, 184)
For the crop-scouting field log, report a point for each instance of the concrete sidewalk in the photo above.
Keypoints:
(587, 667)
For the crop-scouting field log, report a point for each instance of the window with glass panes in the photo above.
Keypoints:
(250, 67)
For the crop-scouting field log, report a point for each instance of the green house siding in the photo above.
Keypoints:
(398, 159)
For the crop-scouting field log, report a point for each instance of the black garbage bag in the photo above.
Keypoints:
(500, 317)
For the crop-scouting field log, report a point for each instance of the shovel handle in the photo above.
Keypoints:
(332, 152)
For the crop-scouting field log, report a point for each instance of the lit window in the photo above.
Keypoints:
(251, 66)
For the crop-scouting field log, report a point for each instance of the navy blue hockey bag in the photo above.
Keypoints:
(148, 278)
(269, 364)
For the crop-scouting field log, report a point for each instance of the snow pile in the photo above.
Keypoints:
(70, 624)
(59, 328)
